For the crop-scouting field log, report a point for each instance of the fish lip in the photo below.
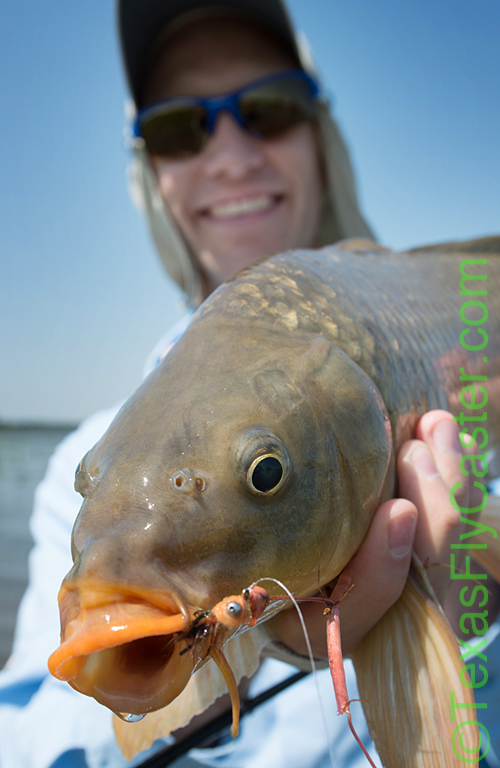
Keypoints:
(96, 617)
(138, 677)
(123, 646)
(94, 593)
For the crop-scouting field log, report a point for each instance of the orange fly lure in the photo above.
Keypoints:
(244, 610)
(229, 614)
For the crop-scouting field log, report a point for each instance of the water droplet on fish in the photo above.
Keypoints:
(129, 718)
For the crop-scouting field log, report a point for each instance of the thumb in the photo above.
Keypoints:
(380, 570)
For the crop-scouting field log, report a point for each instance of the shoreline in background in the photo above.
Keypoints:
(20, 424)
(25, 449)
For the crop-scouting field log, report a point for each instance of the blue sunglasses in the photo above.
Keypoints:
(180, 127)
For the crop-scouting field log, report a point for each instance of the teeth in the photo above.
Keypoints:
(241, 207)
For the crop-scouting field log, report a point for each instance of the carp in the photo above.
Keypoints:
(261, 446)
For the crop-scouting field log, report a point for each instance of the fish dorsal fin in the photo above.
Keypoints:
(243, 653)
(481, 245)
(408, 667)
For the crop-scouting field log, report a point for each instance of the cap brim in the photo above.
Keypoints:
(141, 23)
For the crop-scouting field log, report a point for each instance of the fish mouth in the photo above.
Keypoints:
(125, 649)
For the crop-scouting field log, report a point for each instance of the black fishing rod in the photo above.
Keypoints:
(168, 755)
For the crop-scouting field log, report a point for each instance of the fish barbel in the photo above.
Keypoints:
(262, 446)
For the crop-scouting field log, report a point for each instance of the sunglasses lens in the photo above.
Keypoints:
(179, 130)
(174, 131)
(269, 110)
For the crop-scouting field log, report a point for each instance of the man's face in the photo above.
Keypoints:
(241, 197)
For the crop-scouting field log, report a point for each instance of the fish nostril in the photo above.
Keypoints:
(186, 481)
(183, 482)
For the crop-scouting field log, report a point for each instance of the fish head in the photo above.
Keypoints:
(244, 455)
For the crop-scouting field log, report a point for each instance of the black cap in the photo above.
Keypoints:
(142, 22)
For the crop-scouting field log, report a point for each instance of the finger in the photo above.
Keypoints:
(440, 433)
(380, 570)
(439, 523)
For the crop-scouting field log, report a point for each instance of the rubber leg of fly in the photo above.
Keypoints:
(232, 686)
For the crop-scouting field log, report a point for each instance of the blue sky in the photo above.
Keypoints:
(83, 297)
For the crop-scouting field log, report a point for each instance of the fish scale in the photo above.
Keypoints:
(322, 362)
(399, 337)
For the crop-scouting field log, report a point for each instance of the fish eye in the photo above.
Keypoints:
(263, 462)
(265, 473)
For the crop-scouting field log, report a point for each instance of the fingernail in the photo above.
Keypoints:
(401, 533)
(423, 462)
(445, 436)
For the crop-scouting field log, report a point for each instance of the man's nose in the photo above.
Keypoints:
(231, 151)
